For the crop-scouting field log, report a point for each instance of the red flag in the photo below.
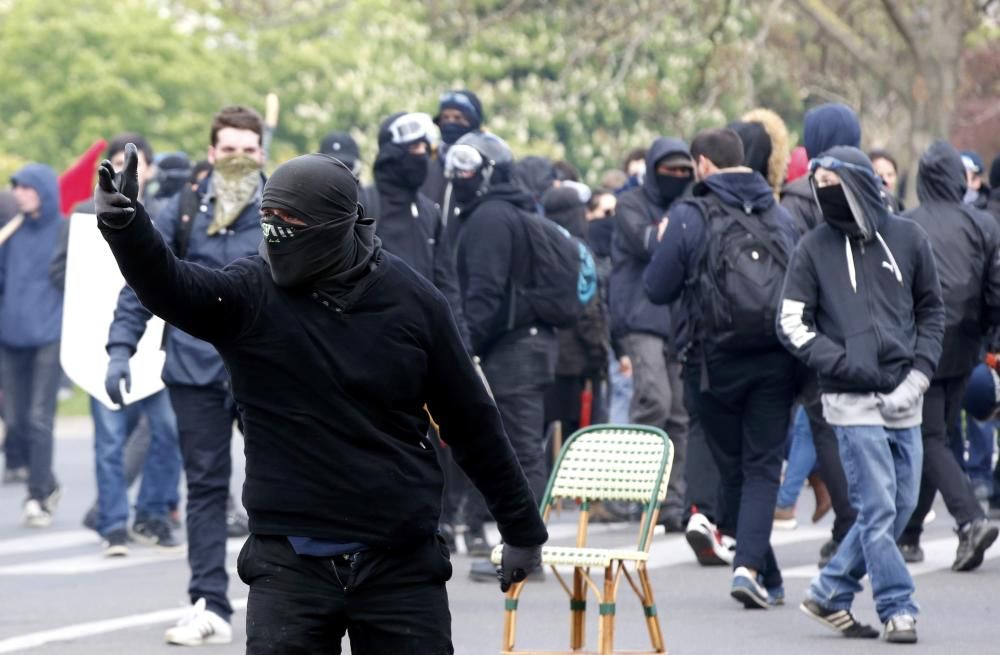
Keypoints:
(76, 184)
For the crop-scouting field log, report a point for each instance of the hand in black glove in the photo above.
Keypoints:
(117, 194)
(517, 562)
(118, 370)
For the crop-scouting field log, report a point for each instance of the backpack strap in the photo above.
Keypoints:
(190, 203)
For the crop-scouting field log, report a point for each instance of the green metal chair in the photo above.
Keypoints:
(598, 463)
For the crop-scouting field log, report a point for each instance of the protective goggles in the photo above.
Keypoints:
(834, 164)
(462, 160)
(411, 127)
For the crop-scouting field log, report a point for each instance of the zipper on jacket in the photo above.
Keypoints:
(868, 301)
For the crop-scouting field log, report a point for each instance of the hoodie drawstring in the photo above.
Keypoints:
(892, 260)
(850, 263)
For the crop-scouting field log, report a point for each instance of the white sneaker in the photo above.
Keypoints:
(35, 515)
(200, 627)
(709, 545)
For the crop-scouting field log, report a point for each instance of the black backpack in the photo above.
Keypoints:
(739, 283)
(563, 274)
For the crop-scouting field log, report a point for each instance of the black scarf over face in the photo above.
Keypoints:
(335, 247)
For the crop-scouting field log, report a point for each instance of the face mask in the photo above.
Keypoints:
(452, 132)
(671, 188)
(297, 255)
(413, 170)
(464, 189)
(836, 210)
(236, 167)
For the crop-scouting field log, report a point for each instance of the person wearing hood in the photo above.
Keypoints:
(342, 146)
(535, 175)
(406, 220)
(518, 350)
(826, 126)
(888, 171)
(977, 193)
(966, 245)
(862, 306)
(652, 335)
(583, 348)
(765, 145)
(339, 354)
(744, 388)
(212, 225)
(30, 328)
(459, 113)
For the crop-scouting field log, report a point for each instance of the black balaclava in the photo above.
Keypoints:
(563, 207)
(671, 188)
(395, 166)
(335, 247)
(836, 210)
(756, 145)
(466, 102)
(855, 207)
(465, 189)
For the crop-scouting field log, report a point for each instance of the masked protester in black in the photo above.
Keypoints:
(459, 113)
(333, 361)
(406, 220)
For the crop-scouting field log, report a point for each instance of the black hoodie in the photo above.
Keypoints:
(863, 311)
(965, 242)
(490, 254)
(637, 218)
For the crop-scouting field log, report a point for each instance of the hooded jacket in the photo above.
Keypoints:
(535, 176)
(966, 246)
(490, 255)
(410, 227)
(775, 163)
(190, 361)
(863, 311)
(31, 301)
(826, 126)
(637, 217)
(583, 348)
(678, 256)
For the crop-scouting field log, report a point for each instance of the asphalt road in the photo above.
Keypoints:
(58, 595)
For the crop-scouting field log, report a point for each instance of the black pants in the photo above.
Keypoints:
(701, 472)
(942, 407)
(205, 418)
(388, 602)
(745, 412)
(519, 371)
(828, 463)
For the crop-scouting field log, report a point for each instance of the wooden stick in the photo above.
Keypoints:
(8, 230)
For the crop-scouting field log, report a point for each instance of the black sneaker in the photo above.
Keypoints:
(476, 544)
(901, 629)
(827, 551)
(973, 540)
(116, 543)
(155, 532)
(237, 523)
(841, 621)
(912, 553)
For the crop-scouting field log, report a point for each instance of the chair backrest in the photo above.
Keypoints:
(613, 462)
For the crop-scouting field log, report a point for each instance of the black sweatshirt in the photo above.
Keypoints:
(332, 400)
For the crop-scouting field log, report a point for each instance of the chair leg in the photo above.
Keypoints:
(510, 615)
(578, 611)
(649, 607)
(606, 627)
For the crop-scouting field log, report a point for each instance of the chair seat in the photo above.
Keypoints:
(584, 557)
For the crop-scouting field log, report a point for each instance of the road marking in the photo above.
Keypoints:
(82, 630)
(49, 541)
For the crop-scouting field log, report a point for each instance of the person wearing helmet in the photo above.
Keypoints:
(337, 352)
(518, 351)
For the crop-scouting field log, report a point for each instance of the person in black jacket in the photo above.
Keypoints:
(651, 334)
(518, 351)
(993, 204)
(861, 305)
(459, 113)
(339, 355)
(966, 244)
(744, 392)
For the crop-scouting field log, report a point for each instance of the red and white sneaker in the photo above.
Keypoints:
(711, 547)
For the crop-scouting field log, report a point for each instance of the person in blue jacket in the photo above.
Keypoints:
(30, 329)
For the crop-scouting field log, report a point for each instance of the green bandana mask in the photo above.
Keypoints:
(235, 180)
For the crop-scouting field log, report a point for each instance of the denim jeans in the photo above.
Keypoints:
(619, 392)
(30, 379)
(981, 437)
(801, 459)
(160, 472)
(883, 478)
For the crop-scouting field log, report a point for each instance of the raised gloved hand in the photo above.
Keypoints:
(904, 398)
(118, 371)
(517, 562)
(117, 194)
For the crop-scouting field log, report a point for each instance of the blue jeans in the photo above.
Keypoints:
(160, 473)
(801, 460)
(620, 392)
(883, 478)
(982, 437)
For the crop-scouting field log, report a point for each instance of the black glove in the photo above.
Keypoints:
(517, 562)
(118, 370)
(117, 194)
